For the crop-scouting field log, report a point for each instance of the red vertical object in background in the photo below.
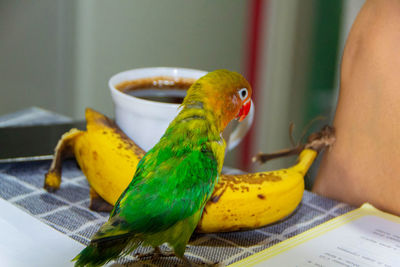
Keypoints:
(255, 26)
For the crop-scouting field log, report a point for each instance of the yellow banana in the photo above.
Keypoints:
(253, 200)
(106, 156)
(109, 158)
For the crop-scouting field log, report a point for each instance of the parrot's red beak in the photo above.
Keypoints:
(244, 110)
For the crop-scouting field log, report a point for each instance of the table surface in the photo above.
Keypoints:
(21, 183)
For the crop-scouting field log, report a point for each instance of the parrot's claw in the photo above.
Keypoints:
(155, 254)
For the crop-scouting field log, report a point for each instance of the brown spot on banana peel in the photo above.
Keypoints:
(261, 196)
(80, 151)
(245, 188)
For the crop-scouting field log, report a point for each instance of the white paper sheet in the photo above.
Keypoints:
(364, 237)
(26, 241)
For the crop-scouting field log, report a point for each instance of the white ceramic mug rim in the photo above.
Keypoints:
(112, 83)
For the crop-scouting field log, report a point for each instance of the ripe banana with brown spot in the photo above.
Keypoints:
(106, 156)
(253, 200)
(109, 158)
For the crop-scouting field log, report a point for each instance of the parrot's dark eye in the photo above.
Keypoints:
(243, 93)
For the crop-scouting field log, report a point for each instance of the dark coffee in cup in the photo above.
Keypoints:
(159, 89)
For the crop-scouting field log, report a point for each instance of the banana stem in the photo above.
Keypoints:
(305, 160)
(262, 157)
(316, 141)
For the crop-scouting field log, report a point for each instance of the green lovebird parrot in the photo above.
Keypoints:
(165, 200)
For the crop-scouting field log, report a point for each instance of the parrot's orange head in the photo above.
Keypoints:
(225, 93)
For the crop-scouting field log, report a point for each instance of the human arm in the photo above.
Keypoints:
(364, 164)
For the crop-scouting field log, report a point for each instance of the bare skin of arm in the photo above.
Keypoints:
(364, 163)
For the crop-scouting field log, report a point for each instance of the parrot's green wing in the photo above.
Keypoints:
(169, 187)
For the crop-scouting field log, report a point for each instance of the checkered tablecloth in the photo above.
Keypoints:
(67, 211)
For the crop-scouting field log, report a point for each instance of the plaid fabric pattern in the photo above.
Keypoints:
(67, 211)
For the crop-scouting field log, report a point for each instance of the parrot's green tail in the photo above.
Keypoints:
(99, 253)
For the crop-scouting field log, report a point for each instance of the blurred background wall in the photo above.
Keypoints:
(59, 55)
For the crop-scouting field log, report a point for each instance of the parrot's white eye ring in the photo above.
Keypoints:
(243, 93)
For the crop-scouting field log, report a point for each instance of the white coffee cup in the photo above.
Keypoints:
(145, 121)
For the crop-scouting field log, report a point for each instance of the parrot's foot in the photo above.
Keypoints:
(187, 262)
(155, 254)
